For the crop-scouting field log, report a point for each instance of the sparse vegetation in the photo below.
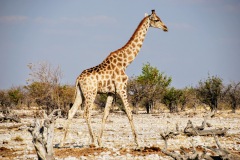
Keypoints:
(149, 92)
(145, 91)
(171, 99)
(210, 91)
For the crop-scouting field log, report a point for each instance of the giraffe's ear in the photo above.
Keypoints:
(145, 15)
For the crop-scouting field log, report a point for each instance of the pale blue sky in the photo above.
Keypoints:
(203, 37)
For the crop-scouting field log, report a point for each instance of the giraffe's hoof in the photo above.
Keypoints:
(57, 146)
(99, 143)
(92, 145)
(60, 145)
(139, 148)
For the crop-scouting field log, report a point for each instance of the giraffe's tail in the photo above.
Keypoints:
(78, 100)
(72, 111)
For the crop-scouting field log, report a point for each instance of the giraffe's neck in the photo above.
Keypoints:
(125, 55)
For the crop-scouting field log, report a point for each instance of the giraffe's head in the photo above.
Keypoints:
(156, 22)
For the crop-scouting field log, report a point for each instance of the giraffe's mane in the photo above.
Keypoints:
(133, 35)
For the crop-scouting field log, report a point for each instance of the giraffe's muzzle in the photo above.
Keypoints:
(165, 29)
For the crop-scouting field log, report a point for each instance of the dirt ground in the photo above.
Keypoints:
(16, 141)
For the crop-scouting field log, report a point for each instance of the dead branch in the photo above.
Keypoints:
(190, 130)
(8, 115)
(166, 135)
(43, 133)
(193, 155)
(222, 152)
(11, 127)
(11, 118)
(173, 155)
(169, 134)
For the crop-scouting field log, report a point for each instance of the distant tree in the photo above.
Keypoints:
(183, 98)
(37, 91)
(152, 85)
(15, 95)
(135, 93)
(101, 100)
(66, 95)
(233, 95)
(4, 99)
(44, 82)
(210, 91)
(171, 99)
(188, 97)
(45, 73)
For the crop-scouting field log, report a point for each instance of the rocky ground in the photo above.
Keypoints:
(16, 141)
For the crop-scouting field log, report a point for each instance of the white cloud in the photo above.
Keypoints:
(13, 19)
(63, 32)
(43, 20)
(84, 20)
(101, 20)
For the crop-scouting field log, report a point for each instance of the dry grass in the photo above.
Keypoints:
(117, 138)
(18, 139)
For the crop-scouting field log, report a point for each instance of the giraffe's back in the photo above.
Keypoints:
(97, 79)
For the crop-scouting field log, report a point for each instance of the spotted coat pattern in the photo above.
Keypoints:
(110, 77)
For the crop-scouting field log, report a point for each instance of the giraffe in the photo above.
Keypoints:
(110, 77)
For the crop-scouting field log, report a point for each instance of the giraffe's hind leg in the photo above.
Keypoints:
(89, 99)
(71, 113)
(105, 116)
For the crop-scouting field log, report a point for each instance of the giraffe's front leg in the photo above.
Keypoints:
(106, 113)
(123, 96)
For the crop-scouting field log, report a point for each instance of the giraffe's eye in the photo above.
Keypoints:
(156, 20)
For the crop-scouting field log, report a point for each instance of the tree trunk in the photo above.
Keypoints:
(213, 108)
(43, 134)
(147, 108)
(173, 108)
(183, 107)
(135, 108)
(234, 106)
